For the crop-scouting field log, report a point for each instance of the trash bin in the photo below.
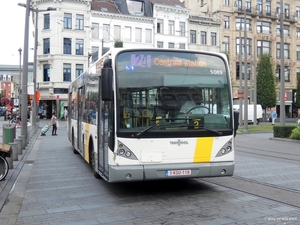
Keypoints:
(9, 133)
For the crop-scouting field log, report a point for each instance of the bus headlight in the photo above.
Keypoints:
(125, 152)
(225, 149)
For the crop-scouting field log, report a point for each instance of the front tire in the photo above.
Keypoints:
(73, 144)
(93, 162)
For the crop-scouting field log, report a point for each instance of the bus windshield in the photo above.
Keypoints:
(171, 91)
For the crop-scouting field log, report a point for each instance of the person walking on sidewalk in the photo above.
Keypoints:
(54, 123)
(273, 116)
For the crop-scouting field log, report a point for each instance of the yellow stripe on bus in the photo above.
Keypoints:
(86, 149)
(203, 149)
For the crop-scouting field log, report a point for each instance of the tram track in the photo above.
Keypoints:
(268, 153)
(264, 190)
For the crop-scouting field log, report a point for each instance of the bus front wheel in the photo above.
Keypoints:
(92, 163)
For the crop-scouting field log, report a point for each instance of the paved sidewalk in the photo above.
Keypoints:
(12, 195)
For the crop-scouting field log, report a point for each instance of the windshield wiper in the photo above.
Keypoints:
(139, 134)
(176, 125)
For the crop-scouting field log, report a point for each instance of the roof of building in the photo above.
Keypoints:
(108, 6)
(168, 2)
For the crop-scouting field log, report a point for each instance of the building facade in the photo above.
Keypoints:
(262, 19)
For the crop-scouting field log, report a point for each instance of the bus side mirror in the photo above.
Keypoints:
(235, 121)
(106, 82)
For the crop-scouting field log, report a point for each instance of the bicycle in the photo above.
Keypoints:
(4, 167)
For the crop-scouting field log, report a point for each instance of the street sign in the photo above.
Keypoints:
(16, 102)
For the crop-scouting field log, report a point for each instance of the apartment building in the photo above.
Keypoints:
(262, 19)
(78, 32)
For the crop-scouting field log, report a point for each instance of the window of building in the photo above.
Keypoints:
(286, 30)
(286, 73)
(117, 32)
(136, 8)
(225, 2)
(203, 38)
(263, 27)
(171, 45)
(226, 43)
(239, 22)
(239, 4)
(268, 8)
(79, 46)
(46, 21)
(95, 53)
(248, 5)
(160, 26)
(46, 72)
(298, 53)
(182, 29)
(226, 22)
(106, 32)
(138, 34)
(148, 36)
(67, 21)
(297, 14)
(193, 36)
(95, 30)
(127, 35)
(287, 11)
(286, 50)
(67, 71)
(46, 46)
(79, 22)
(213, 38)
(181, 46)
(298, 32)
(298, 73)
(79, 69)
(243, 71)
(259, 6)
(171, 27)
(278, 29)
(67, 46)
(263, 47)
(249, 48)
(160, 44)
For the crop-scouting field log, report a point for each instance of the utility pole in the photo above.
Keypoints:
(282, 77)
(246, 76)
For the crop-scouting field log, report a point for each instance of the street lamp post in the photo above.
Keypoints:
(282, 77)
(246, 76)
(25, 75)
(34, 103)
(20, 74)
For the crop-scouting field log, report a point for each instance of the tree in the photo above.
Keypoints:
(297, 103)
(266, 83)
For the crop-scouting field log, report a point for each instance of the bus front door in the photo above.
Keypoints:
(103, 141)
(79, 125)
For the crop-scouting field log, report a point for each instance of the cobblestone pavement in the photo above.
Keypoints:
(54, 186)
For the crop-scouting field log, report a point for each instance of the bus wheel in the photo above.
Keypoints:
(92, 163)
(73, 145)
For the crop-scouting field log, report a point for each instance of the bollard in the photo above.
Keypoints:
(9, 133)
(23, 141)
(19, 142)
(10, 161)
(14, 146)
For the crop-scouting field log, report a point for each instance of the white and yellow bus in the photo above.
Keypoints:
(126, 118)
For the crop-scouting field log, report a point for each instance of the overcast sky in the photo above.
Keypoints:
(12, 23)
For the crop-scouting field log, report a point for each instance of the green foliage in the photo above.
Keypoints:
(118, 44)
(297, 103)
(283, 131)
(266, 85)
(2, 93)
(295, 133)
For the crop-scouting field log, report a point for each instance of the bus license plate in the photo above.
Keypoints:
(170, 173)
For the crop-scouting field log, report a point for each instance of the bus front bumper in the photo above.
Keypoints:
(162, 172)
